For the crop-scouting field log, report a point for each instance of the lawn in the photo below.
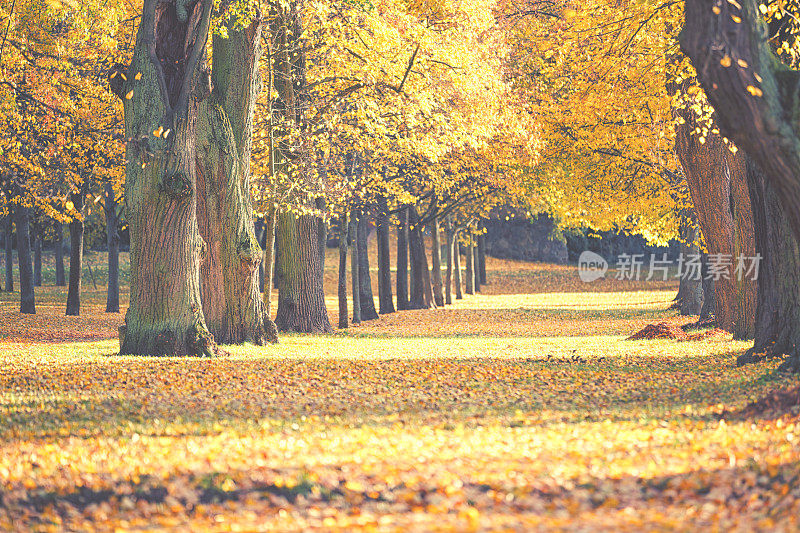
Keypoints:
(520, 408)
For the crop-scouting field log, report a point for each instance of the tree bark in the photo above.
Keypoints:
(112, 239)
(421, 296)
(230, 291)
(261, 237)
(691, 287)
(342, 284)
(9, 250)
(76, 227)
(36, 236)
(777, 324)
(354, 271)
(436, 263)
(457, 265)
(301, 299)
(402, 260)
(476, 264)
(322, 232)
(482, 258)
(448, 278)
(385, 303)
(27, 299)
(269, 263)
(164, 91)
(753, 94)
(58, 246)
(470, 273)
(368, 311)
(717, 182)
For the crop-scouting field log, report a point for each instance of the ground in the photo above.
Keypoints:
(520, 408)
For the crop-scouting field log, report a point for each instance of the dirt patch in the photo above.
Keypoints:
(711, 333)
(784, 401)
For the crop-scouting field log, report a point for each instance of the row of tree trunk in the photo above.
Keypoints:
(29, 255)
(417, 286)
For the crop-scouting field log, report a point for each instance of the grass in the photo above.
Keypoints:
(521, 408)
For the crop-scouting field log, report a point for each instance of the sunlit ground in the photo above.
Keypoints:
(505, 411)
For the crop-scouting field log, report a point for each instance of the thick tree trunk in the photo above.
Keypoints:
(27, 299)
(402, 260)
(269, 264)
(368, 311)
(717, 182)
(322, 232)
(421, 297)
(58, 247)
(385, 303)
(470, 272)
(356, 282)
(448, 278)
(230, 291)
(690, 292)
(9, 251)
(708, 310)
(301, 299)
(75, 258)
(260, 236)
(436, 264)
(36, 236)
(342, 284)
(112, 239)
(777, 324)
(163, 92)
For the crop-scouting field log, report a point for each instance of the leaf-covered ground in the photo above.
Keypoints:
(507, 411)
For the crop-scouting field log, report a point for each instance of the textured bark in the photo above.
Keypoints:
(58, 246)
(717, 182)
(269, 262)
(27, 299)
(342, 282)
(76, 228)
(368, 311)
(167, 87)
(421, 296)
(448, 278)
(260, 236)
(402, 260)
(322, 232)
(230, 291)
(777, 324)
(385, 303)
(353, 241)
(708, 310)
(112, 240)
(36, 237)
(470, 271)
(9, 251)
(301, 300)
(482, 258)
(764, 124)
(436, 264)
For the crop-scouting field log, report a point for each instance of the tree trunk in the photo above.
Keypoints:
(37, 255)
(75, 258)
(448, 279)
(436, 263)
(322, 233)
(476, 264)
(708, 310)
(164, 91)
(269, 263)
(368, 311)
(482, 259)
(402, 260)
(419, 264)
(353, 240)
(777, 323)
(9, 251)
(112, 239)
(457, 266)
(691, 286)
(301, 299)
(58, 246)
(27, 299)
(717, 182)
(385, 303)
(230, 291)
(261, 235)
(342, 285)
(470, 273)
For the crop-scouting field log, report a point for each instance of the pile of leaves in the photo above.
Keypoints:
(662, 330)
(784, 401)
